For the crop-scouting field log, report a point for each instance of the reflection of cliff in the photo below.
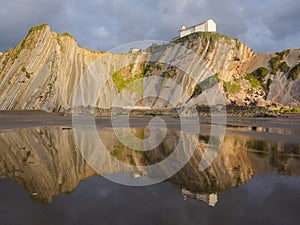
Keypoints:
(44, 161)
(238, 160)
(47, 162)
(230, 168)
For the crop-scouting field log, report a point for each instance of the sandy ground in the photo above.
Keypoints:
(287, 128)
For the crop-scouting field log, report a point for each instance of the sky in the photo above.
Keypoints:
(264, 25)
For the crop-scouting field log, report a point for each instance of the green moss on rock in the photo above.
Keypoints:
(121, 81)
(231, 87)
(254, 82)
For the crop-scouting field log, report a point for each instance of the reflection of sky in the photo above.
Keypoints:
(265, 199)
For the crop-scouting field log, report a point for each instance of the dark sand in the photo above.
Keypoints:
(266, 128)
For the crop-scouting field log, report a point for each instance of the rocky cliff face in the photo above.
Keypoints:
(46, 70)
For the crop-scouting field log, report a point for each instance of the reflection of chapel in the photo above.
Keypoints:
(210, 199)
(207, 26)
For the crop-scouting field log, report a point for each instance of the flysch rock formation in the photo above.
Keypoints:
(49, 71)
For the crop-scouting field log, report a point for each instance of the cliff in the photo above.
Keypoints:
(46, 70)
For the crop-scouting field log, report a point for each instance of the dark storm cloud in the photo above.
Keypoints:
(283, 19)
(101, 24)
(17, 16)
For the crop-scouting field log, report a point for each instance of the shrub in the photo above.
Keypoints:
(294, 72)
(283, 54)
(197, 90)
(159, 66)
(254, 82)
(274, 63)
(284, 67)
(27, 74)
(260, 73)
(268, 84)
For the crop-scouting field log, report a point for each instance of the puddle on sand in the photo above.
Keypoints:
(250, 179)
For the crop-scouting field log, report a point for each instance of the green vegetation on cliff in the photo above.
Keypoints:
(210, 38)
(121, 81)
(27, 74)
(294, 72)
(38, 27)
(257, 77)
(206, 84)
(254, 82)
(284, 67)
(276, 64)
(28, 42)
(289, 110)
(12, 54)
(283, 54)
(67, 35)
(231, 87)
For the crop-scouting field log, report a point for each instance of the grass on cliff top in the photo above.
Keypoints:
(206, 37)
(66, 34)
(38, 27)
(202, 35)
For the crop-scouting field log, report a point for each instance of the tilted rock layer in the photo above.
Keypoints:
(47, 70)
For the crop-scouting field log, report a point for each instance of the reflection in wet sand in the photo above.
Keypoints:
(43, 160)
(47, 162)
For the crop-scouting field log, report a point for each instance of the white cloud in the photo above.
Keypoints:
(101, 32)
